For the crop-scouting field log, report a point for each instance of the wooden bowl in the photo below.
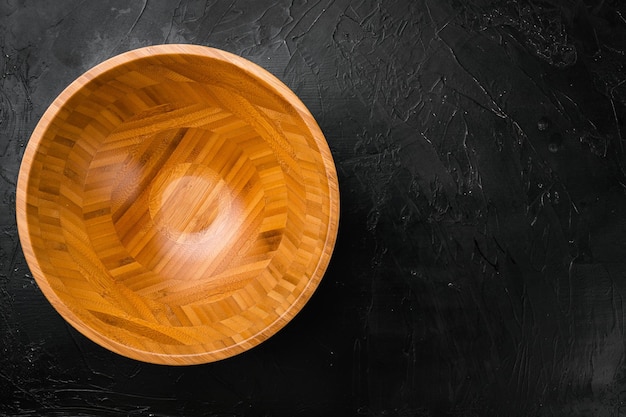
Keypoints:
(177, 204)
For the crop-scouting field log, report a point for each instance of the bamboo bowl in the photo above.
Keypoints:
(177, 204)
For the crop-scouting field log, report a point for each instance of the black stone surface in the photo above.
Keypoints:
(480, 268)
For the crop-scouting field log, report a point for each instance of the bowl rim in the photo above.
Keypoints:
(39, 133)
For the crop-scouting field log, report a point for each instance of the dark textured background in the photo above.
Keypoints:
(480, 267)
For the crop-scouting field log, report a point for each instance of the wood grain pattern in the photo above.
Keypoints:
(177, 204)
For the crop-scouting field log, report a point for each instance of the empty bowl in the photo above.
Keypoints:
(177, 204)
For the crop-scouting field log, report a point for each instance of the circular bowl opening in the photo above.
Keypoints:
(177, 204)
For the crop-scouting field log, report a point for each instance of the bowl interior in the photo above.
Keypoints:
(177, 204)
